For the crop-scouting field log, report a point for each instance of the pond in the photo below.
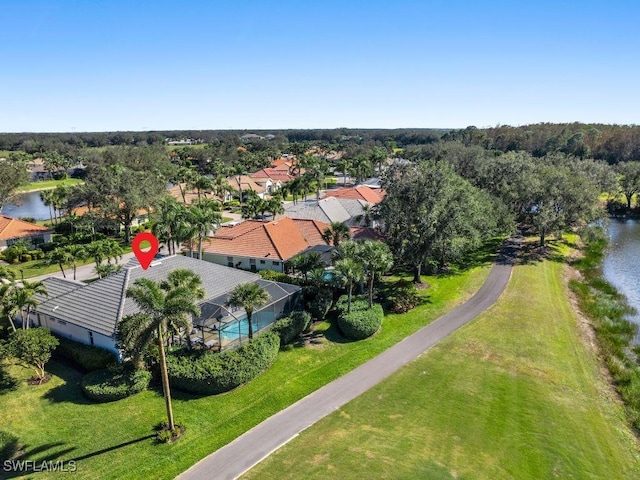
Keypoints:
(621, 265)
(28, 205)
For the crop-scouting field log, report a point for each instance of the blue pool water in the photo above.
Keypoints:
(230, 332)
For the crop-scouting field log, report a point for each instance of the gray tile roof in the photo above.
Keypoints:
(57, 286)
(98, 306)
(329, 209)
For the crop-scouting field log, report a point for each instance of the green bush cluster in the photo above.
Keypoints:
(86, 357)
(615, 334)
(113, 384)
(278, 277)
(402, 297)
(8, 445)
(320, 303)
(290, 327)
(206, 373)
(361, 322)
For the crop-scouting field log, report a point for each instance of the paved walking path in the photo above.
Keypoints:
(234, 459)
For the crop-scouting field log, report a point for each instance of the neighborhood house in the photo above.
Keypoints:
(89, 313)
(12, 230)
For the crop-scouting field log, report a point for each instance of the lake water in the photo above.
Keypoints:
(621, 266)
(28, 205)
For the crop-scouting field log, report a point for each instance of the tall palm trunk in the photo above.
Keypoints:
(250, 322)
(165, 378)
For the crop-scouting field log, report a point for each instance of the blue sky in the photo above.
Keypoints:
(126, 65)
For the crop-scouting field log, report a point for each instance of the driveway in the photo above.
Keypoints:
(234, 459)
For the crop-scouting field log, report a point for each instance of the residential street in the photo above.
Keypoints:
(234, 459)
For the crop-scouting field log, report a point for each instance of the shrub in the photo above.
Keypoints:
(358, 302)
(207, 373)
(321, 303)
(86, 357)
(164, 435)
(8, 446)
(290, 327)
(278, 277)
(360, 323)
(403, 297)
(113, 384)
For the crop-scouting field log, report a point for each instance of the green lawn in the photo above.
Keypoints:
(513, 395)
(35, 268)
(49, 184)
(112, 440)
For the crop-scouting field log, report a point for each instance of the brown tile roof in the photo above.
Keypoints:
(190, 196)
(14, 228)
(365, 233)
(256, 184)
(273, 174)
(360, 192)
(279, 239)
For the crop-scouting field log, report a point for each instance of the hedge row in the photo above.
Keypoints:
(206, 373)
(109, 385)
(87, 357)
(290, 327)
(361, 322)
(8, 445)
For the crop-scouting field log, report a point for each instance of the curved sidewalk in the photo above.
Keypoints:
(244, 452)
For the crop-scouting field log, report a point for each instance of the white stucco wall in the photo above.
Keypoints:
(245, 262)
(76, 333)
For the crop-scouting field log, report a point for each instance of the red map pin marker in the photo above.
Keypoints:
(145, 258)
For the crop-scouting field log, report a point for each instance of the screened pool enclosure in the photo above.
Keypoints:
(221, 327)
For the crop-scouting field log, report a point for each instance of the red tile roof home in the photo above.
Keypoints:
(279, 239)
(361, 192)
(14, 228)
(273, 174)
(282, 162)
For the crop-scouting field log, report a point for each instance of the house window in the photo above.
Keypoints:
(275, 263)
(252, 261)
(230, 262)
(262, 262)
(91, 338)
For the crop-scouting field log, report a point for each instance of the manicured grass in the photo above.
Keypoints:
(35, 268)
(49, 184)
(112, 440)
(513, 395)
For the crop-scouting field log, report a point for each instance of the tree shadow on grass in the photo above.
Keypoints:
(7, 382)
(333, 335)
(30, 459)
(70, 390)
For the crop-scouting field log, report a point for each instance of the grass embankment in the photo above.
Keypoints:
(514, 394)
(607, 309)
(112, 440)
(49, 184)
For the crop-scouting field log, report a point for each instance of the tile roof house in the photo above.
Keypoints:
(261, 185)
(360, 192)
(255, 245)
(329, 209)
(89, 313)
(13, 229)
(274, 174)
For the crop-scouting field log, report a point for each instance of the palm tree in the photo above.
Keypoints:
(351, 271)
(335, 233)
(203, 185)
(173, 301)
(306, 263)
(275, 205)
(21, 299)
(169, 215)
(61, 257)
(366, 216)
(376, 260)
(75, 254)
(205, 217)
(47, 198)
(7, 306)
(249, 296)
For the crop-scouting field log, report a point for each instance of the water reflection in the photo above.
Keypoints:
(28, 205)
(621, 266)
